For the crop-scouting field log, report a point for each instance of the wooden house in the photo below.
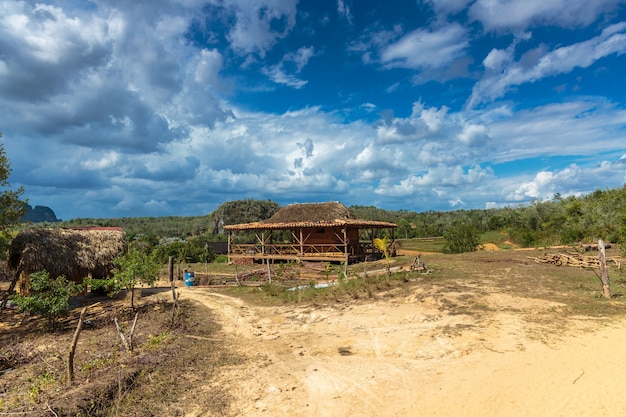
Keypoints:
(325, 232)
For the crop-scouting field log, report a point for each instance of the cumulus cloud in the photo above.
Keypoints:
(130, 103)
(573, 180)
(259, 24)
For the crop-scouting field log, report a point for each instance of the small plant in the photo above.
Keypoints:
(383, 246)
(49, 297)
(39, 385)
(132, 268)
(154, 341)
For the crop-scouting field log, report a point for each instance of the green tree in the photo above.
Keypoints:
(49, 297)
(461, 238)
(11, 207)
(132, 268)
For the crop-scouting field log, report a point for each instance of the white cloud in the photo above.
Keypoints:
(258, 24)
(280, 74)
(300, 57)
(344, 10)
(208, 67)
(129, 111)
(422, 48)
(515, 15)
(496, 84)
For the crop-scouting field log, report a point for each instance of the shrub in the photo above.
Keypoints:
(49, 297)
(461, 238)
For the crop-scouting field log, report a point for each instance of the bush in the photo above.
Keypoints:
(461, 238)
(49, 297)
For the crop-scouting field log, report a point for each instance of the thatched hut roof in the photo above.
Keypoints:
(74, 253)
(305, 215)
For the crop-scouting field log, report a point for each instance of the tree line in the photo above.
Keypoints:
(598, 215)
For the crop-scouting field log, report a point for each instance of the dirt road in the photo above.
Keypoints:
(406, 356)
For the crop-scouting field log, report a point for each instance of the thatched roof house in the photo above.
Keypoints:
(74, 253)
(319, 231)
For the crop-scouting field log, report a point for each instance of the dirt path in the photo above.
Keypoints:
(406, 357)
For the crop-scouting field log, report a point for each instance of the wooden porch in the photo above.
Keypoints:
(322, 232)
(305, 252)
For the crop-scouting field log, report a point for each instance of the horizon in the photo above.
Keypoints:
(171, 109)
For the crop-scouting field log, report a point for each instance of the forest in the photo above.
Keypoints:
(561, 220)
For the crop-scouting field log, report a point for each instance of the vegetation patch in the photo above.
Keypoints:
(170, 361)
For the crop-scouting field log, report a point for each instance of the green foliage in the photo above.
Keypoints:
(107, 286)
(5, 241)
(461, 238)
(11, 207)
(135, 267)
(599, 215)
(241, 211)
(193, 250)
(49, 297)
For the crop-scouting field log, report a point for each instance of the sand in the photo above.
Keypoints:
(405, 356)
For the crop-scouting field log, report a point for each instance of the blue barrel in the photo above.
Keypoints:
(190, 278)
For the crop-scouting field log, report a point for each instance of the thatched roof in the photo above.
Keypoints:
(71, 252)
(307, 215)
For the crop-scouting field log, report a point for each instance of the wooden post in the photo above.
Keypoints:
(230, 250)
(344, 231)
(9, 291)
(122, 335)
(70, 359)
(604, 273)
(170, 271)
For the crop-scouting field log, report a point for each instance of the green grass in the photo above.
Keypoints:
(435, 244)
(495, 237)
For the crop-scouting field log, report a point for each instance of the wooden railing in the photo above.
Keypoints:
(294, 250)
(289, 249)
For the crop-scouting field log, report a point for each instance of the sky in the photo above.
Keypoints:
(115, 108)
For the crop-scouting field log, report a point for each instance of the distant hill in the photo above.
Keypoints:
(39, 214)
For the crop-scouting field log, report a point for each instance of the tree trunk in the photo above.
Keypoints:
(604, 273)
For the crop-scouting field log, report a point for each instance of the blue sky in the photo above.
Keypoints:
(157, 107)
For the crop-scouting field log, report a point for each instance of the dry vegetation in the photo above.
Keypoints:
(152, 380)
(189, 364)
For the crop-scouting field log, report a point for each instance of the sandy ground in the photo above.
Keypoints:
(404, 356)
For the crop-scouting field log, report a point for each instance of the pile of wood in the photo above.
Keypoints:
(418, 265)
(574, 259)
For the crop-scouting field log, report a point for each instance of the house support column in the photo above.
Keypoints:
(230, 249)
(344, 230)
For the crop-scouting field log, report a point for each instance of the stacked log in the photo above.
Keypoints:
(575, 260)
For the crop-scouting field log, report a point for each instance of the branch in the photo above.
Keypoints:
(70, 360)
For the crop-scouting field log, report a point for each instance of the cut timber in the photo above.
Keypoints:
(575, 260)
(418, 265)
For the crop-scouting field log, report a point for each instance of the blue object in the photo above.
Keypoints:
(190, 278)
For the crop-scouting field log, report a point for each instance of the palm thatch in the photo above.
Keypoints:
(75, 253)
(304, 215)
(312, 212)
